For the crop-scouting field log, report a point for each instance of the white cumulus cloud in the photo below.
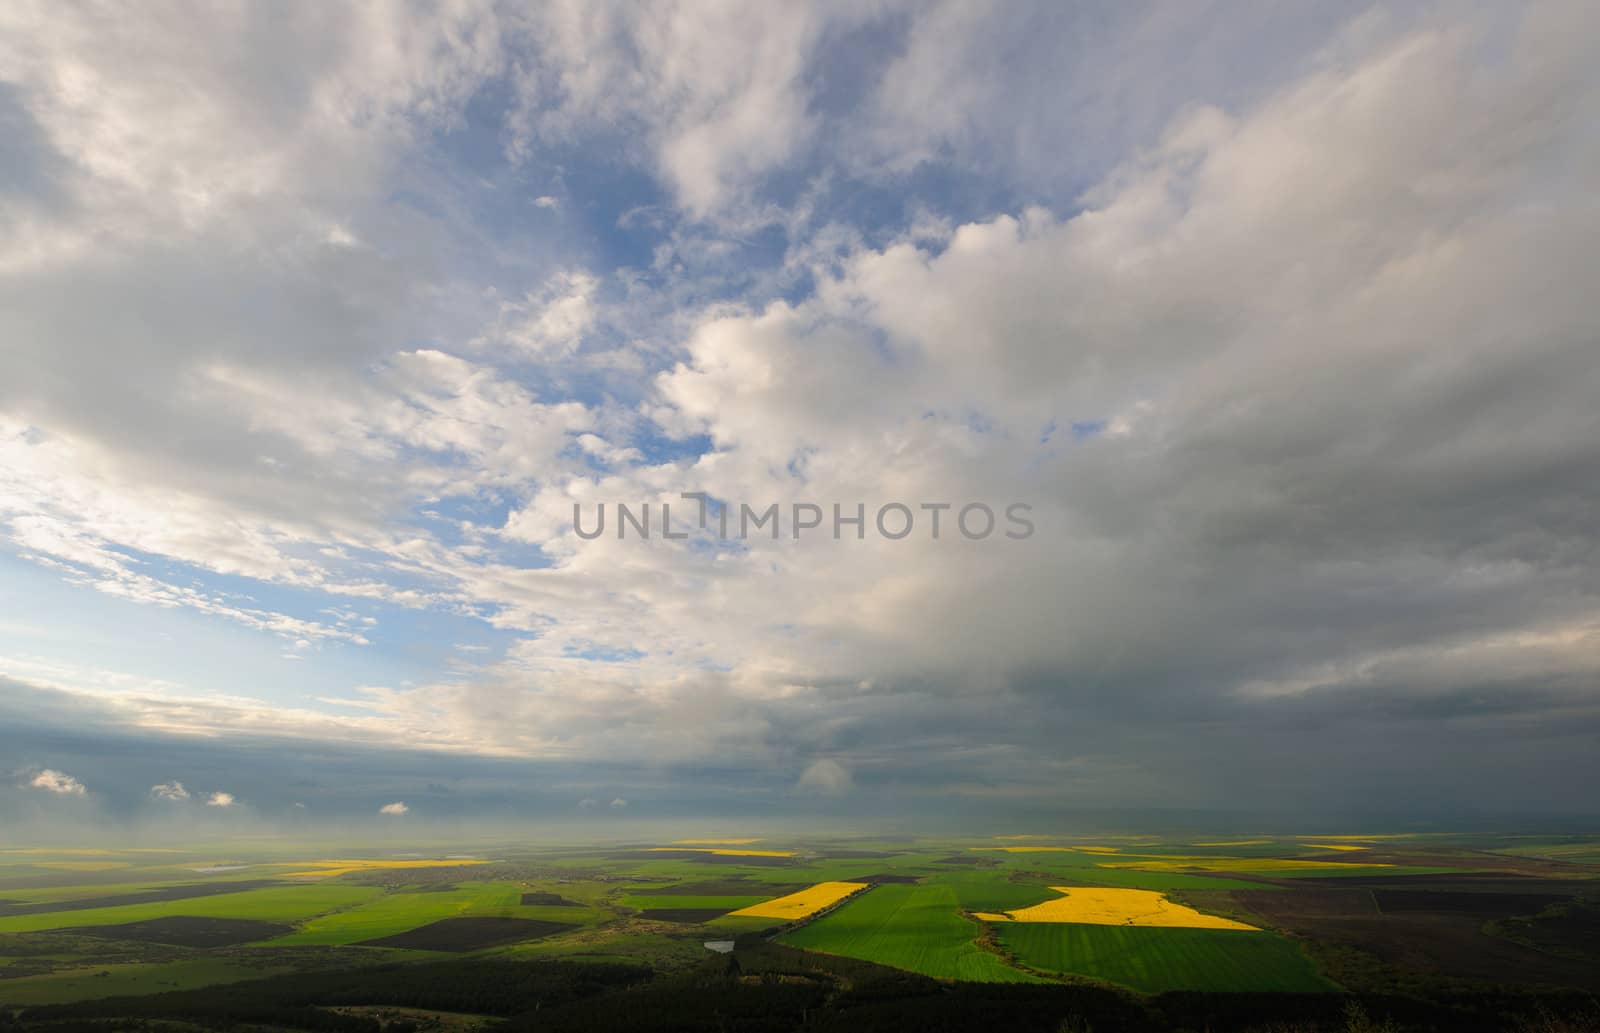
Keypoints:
(397, 808)
(52, 781)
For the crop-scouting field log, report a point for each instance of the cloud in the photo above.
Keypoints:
(169, 791)
(396, 809)
(552, 321)
(943, 98)
(52, 781)
(1290, 351)
(220, 799)
(715, 97)
(618, 804)
(827, 777)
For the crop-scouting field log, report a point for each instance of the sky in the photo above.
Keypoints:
(320, 325)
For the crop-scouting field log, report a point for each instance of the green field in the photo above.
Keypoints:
(737, 925)
(398, 912)
(1154, 960)
(85, 889)
(127, 980)
(984, 891)
(273, 903)
(917, 928)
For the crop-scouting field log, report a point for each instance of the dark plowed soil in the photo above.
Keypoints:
(886, 879)
(689, 915)
(469, 934)
(1330, 902)
(549, 900)
(735, 887)
(1455, 943)
(1393, 901)
(185, 931)
(1572, 930)
(1484, 882)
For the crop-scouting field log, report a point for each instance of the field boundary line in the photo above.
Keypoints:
(801, 923)
(989, 940)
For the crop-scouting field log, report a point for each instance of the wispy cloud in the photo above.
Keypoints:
(169, 791)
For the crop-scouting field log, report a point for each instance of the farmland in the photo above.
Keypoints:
(394, 913)
(986, 892)
(113, 980)
(187, 931)
(917, 928)
(803, 904)
(327, 869)
(719, 851)
(1154, 960)
(469, 934)
(272, 904)
(1089, 905)
(1142, 915)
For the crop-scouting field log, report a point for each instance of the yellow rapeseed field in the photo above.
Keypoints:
(1338, 846)
(1094, 905)
(325, 869)
(799, 905)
